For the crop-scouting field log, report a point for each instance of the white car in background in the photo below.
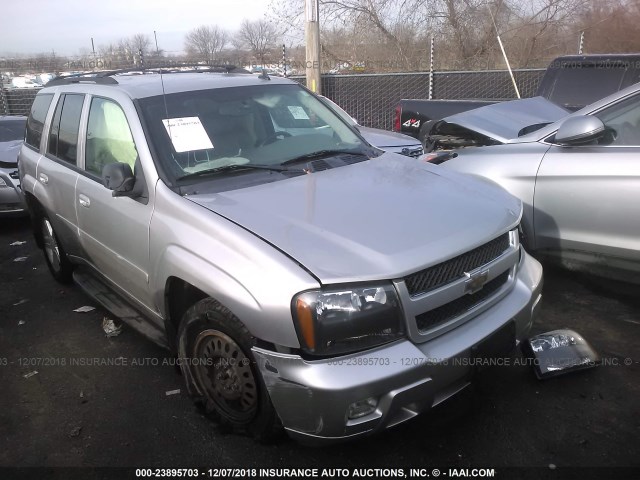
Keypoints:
(384, 139)
(23, 82)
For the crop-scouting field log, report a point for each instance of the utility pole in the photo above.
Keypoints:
(581, 43)
(284, 60)
(312, 38)
(431, 69)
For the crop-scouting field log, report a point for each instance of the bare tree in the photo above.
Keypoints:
(206, 42)
(386, 32)
(140, 43)
(260, 36)
(389, 20)
(610, 26)
(127, 50)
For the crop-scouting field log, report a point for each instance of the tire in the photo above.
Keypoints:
(57, 261)
(222, 378)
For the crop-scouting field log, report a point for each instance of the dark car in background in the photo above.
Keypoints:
(11, 137)
(571, 82)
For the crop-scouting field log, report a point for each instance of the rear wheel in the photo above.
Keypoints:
(57, 261)
(222, 377)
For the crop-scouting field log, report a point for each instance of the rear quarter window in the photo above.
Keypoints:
(63, 137)
(37, 116)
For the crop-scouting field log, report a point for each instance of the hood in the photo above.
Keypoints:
(379, 219)
(383, 138)
(9, 151)
(505, 120)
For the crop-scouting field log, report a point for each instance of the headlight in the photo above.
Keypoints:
(337, 321)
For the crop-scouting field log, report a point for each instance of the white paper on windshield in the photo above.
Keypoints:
(187, 134)
(298, 112)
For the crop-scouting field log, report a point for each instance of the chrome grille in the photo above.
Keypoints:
(450, 270)
(440, 315)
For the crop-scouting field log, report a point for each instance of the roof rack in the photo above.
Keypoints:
(106, 77)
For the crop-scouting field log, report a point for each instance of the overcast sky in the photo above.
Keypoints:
(66, 26)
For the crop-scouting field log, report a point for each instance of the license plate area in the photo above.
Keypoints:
(497, 345)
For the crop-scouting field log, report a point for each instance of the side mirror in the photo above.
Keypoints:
(119, 178)
(579, 130)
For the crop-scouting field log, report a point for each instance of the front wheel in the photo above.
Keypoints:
(222, 377)
(57, 261)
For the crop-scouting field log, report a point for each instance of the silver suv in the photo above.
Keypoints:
(303, 278)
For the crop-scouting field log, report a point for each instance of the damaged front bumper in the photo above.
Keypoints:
(315, 399)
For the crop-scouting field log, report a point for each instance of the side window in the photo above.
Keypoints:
(35, 123)
(623, 122)
(63, 136)
(109, 138)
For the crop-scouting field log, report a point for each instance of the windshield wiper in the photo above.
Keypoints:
(324, 154)
(238, 166)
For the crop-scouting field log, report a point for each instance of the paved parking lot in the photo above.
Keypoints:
(79, 411)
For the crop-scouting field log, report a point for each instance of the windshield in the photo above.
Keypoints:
(336, 108)
(12, 130)
(265, 125)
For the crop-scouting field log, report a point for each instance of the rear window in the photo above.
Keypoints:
(35, 123)
(576, 87)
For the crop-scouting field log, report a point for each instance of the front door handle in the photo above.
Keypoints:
(84, 200)
(44, 179)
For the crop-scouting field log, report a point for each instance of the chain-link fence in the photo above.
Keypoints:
(371, 98)
(17, 101)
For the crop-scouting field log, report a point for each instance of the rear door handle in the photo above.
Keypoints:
(44, 179)
(84, 200)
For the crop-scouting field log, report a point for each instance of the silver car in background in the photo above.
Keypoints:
(11, 137)
(579, 180)
(384, 139)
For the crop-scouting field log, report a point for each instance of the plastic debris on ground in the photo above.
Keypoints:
(21, 322)
(30, 374)
(172, 392)
(16, 243)
(75, 432)
(84, 309)
(110, 327)
(24, 300)
(20, 259)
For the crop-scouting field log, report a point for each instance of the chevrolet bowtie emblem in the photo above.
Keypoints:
(475, 281)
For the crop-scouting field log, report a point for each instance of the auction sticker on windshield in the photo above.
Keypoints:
(187, 134)
(298, 112)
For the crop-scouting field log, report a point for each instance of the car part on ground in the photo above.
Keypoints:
(559, 352)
